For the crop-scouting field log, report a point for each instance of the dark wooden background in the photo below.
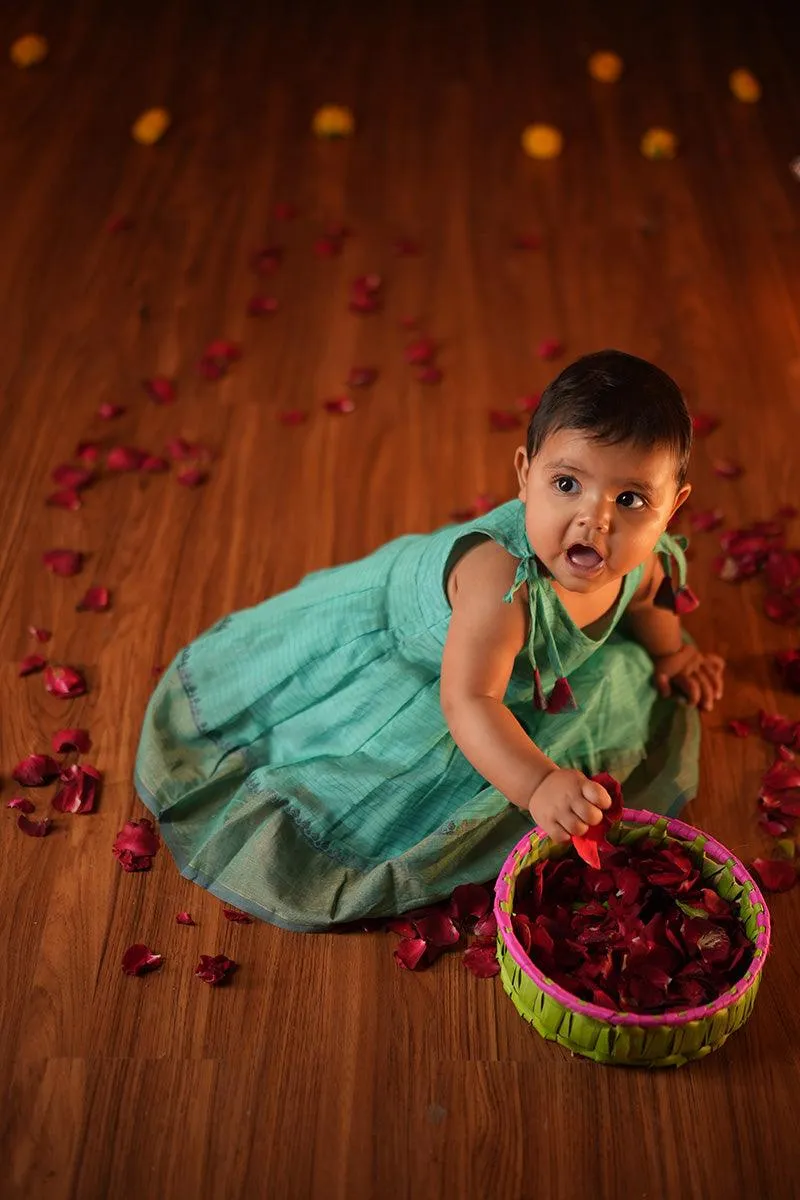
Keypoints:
(323, 1070)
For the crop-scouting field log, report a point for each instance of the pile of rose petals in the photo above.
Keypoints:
(429, 932)
(642, 934)
(761, 550)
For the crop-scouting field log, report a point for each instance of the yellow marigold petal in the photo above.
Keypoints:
(151, 126)
(744, 86)
(29, 50)
(542, 141)
(605, 66)
(659, 143)
(333, 120)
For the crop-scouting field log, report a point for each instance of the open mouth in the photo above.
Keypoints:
(584, 558)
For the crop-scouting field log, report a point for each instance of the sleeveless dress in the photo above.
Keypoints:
(298, 761)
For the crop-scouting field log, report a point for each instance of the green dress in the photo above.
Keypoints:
(298, 761)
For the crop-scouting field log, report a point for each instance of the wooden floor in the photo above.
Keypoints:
(324, 1071)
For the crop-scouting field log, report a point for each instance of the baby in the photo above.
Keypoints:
(384, 731)
(601, 477)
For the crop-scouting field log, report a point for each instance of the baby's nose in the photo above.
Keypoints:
(596, 518)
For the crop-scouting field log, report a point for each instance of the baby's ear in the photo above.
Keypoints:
(522, 466)
(683, 495)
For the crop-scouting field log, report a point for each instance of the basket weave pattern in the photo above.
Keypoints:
(625, 1038)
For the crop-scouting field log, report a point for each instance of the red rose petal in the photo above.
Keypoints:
(788, 663)
(154, 464)
(223, 351)
(430, 375)
(70, 477)
(64, 681)
(160, 389)
(109, 412)
(469, 900)
(740, 729)
(328, 247)
(210, 369)
(135, 845)
(34, 828)
(41, 635)
(586, 846)
(80, 791)
(726, 468)
(192, 477)
(528, 241)
(125, 458)
(259, 306)
(777, 729)
(481, 961)
(87, 452)
(549, 349)
(184, 918)
(340, 404)
(501, 419)
(238, 918)
(776, 874)
(120, 224)
(19, 802)
(410, 952)
(292, 416)
(214, 969)
(69, 499)
(361, 377)
(781, 609)
(486, 927)
(65, 741)
(706, 520)
(420, 351)
(37, 770)
(63, 562)
(703, 424)
(137, 960)
(437, 929)
(405, 248)
(267, 260)
(31, 664)
(529, 404)
(772, 825)
(782, 570)
(96, 599)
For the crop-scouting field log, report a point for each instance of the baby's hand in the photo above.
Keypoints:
(697, 675)
(566, 802)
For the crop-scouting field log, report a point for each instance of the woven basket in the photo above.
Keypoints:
(667, 1039)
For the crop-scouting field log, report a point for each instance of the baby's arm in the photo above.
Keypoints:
(484, 638)
(697, 675)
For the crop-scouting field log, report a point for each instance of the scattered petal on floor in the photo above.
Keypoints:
(481, 961)
(68, 498)
(64, 681)
(137, 960)
(726, 468)
(238, 918)
(22, 804)
(96, 599)
(80, 789)
(34, 828)
(109, 412)
(259, 306)
(340, 404)
(549, 349)
(776, 874)
(740, 729)
(214, 969)
(41, 635)
(37, 770)
(63, 562)
(703, 424)
(67, 741)
(292, 416)
(136, 845)
(185, 918)
(160, 389)
(359, 377)
(31, 664)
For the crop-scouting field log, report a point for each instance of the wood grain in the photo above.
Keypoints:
(323, 1070)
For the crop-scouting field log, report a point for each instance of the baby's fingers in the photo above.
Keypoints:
(597, 796)
(690, 686)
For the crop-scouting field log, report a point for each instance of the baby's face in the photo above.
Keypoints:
(594, 512)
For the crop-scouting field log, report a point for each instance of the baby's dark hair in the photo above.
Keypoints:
(616, 397)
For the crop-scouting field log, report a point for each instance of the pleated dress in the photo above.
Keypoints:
(298, 761)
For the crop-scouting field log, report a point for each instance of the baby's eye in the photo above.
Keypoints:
(630, 500)
(567, 484)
